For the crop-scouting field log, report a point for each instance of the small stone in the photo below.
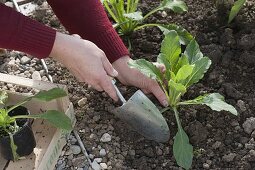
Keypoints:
(80, 169)
(98, 160)
(25, 60)
(252, 152)
(206, 166)
(75, 149)
(163, 14)
(11, 62)
(216, 145)
(95, 165)
(229, 157)
(36, 76)
(91, 156)
(249, 125)
(73, 140)
(149, 152)
(103, 165)
(102, 152)
(82, 102)
(241, 105)
(106, 138)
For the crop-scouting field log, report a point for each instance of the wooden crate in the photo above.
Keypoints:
(50, 140)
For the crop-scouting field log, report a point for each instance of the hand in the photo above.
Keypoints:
(86, 61)
(131, 76)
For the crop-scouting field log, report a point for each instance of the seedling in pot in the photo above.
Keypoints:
(128, 19)
(9, 125)
(183, 69)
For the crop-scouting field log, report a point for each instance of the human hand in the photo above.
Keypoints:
(132, 76)
(85, 61)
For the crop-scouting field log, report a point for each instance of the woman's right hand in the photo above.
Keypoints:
(85, 61)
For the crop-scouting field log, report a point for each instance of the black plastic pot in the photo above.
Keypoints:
(24, 139)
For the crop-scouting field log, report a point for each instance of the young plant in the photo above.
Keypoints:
(228, 9)
(8, 124)
(183, 69)
(235, 9)
(129, 19)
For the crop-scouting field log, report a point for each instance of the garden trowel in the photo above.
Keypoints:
(143, 116)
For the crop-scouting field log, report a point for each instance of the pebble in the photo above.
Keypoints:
(206, 166)
(75, 149)
(82, 102)
(103, 165)
(241, 105)
(229, 157)
(249, 125)
(98, 160)
(106, 138)
(36, 76)
(102, 152)
(95, 165)
(25, 60)
(216, 145)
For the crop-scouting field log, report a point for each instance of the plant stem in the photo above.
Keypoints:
(176, 113)
(14, 148)
(151, 12)
(146, 25)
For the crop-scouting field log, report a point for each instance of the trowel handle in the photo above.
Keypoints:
(123, 100)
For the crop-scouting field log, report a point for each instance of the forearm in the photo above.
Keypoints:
(88, 19)
(21, 33)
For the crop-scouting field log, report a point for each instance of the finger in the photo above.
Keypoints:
(98, 88)
(160, 66)
(155, 89)
(109, 68)
(107, 86)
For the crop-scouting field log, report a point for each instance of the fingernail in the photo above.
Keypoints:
(114, 73)
(165, 103)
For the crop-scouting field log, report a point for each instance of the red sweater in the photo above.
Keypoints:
(84, 17)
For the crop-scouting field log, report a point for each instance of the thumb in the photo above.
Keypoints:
(109, 68)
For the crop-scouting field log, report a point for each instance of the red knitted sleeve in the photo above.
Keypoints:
(88, 19)
(18, 32)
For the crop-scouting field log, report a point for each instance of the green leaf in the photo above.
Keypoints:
(50, 94)
(235, 9)
(201, 66)
(185, 36)
(136, 16)
(147, 68)
(56, 118)
(193, 52)
(183, 72)
(215, 101)
(183, 60)
(3, 97)
(183, 151)
(171, 48)
(177, 6)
